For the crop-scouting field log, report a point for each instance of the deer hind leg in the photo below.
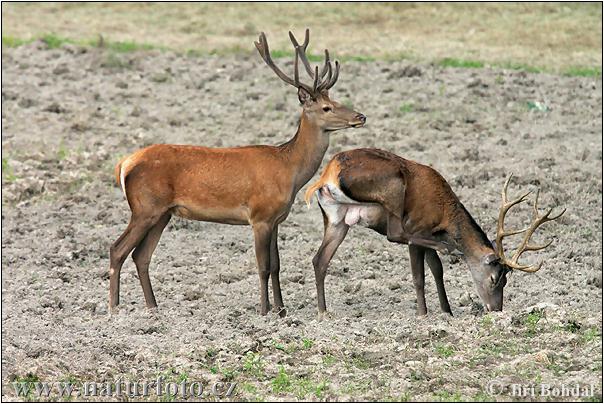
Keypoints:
(436, 267)
(142, 257)
(416, 255)
(262, 242)
(333, 237)
(135, 232)
(274, 270)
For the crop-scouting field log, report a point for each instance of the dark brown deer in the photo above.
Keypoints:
(412, 204)
(250, 185)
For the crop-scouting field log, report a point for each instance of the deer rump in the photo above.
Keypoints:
(339, 207)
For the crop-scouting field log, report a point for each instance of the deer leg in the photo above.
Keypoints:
(436, 267)
(274, 265)
(142, 257)
(262, 241)
(394, 229)
(416, 255)
(137, 229)
(333, 237)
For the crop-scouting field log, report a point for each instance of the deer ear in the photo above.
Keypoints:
(304, 96)
(490, 259)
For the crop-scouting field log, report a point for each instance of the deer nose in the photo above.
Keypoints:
(361, 118)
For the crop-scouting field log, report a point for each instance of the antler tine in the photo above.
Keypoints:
(329, 75)
(296, 73)
(524, 245)
(326, 65)
(263, 49)
(301, 49)
(334, 78)
(314, 86)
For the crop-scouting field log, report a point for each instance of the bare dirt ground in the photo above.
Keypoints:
(69, 114)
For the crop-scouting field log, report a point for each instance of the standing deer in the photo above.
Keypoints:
(250, 185)
(412, 204)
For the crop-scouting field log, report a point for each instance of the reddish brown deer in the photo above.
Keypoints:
(412, 204)
(250, 185)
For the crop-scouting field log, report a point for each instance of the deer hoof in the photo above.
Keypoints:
(326, 315)
(281, 311)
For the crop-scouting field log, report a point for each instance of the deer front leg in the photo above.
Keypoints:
(436, 267)
(262, 241)
(416, 255)
(333, 237)
(274, 269)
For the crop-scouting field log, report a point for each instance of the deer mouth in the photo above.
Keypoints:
(357, 124)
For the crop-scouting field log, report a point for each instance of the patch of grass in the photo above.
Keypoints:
(307, 343)
(579, 71)
(360, 363)
(486, 321)
(278, 53)
(211, 352)
(253, 391)
(444, 351)
(181, 29)
(531, 320)
(129, 46)
(482, 397)
(228, 374)
(556, 368)
(301, 387)
(304, 386)
(254, 364)
(328, 360)
(447, 396)
(173, 375)
(7, 171)
(356, 58)
(355, 389)
(537, 106)
(519, 66)
(591, 334)
(12, 42)
(282, 382)
(29, 385)
(62, 152)
(416, 376)
(403, 398)
(54, 41)
(279, 346)
(406, 108)
(463, 63)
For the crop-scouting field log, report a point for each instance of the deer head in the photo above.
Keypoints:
(327, 114)
(491, 278)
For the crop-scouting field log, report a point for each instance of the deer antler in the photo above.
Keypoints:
(524, 245)
(300, 54)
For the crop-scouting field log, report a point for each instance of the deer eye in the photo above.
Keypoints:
(327, 108)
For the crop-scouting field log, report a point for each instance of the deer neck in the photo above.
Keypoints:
(468, 237)
(305, 151)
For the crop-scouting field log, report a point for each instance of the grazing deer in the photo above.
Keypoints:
(250, 185)
(412, 204)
